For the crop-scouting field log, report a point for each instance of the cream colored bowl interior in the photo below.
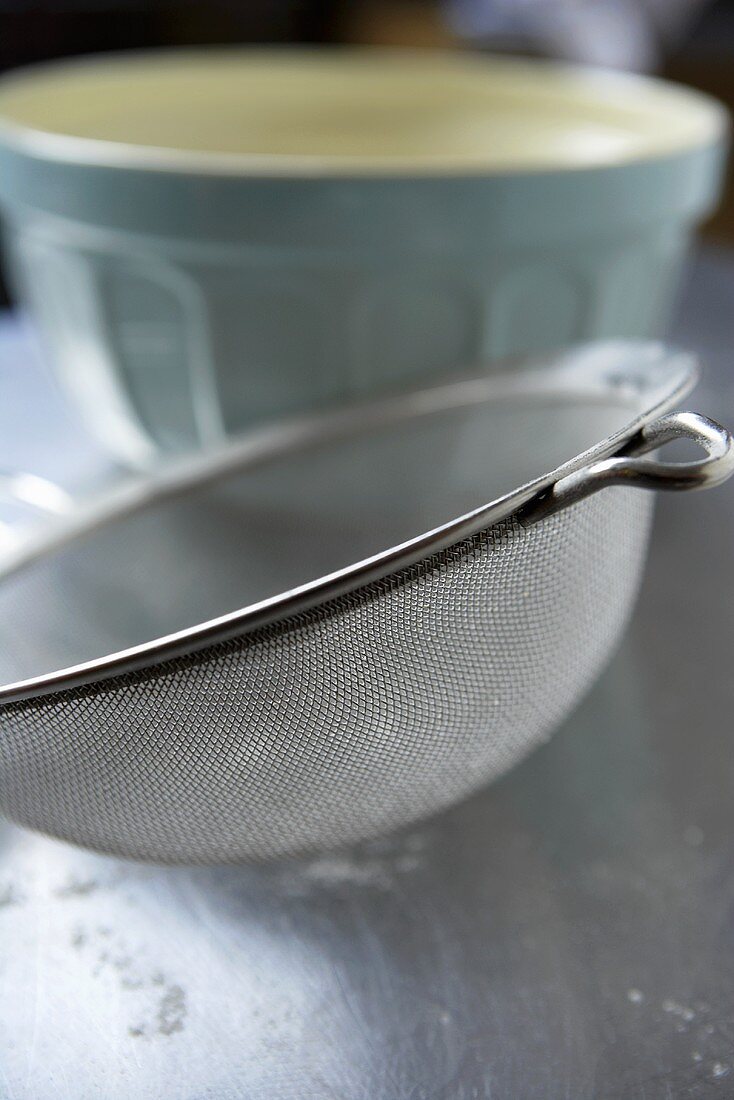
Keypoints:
(346, 110)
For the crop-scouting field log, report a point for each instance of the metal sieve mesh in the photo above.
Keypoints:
(366, 713)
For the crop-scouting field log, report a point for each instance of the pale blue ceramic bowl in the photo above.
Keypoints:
(210, 240)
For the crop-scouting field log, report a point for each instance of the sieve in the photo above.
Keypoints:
(399, 641)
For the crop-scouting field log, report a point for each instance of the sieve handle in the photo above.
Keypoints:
(628, 467)
(35, 493)
(32, 494)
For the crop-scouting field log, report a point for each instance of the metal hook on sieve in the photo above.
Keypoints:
(628, 467)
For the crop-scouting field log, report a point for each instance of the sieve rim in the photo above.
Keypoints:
(644, 375)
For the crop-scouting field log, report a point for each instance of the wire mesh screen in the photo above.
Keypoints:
(359, 716)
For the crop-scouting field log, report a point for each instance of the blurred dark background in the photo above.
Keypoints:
(687, 40)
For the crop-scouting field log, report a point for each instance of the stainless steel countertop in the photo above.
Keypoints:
(567, 933)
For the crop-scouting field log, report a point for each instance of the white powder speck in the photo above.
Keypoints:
(335, 870)
(720, 1069)
(679, 1010)
(693, 835)
(696, 1056)
(636, 996)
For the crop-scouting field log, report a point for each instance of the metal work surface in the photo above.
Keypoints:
(566, 933)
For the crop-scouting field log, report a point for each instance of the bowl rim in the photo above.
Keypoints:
(708, 121)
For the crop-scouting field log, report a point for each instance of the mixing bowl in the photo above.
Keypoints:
(213, 239)
(326, 632)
